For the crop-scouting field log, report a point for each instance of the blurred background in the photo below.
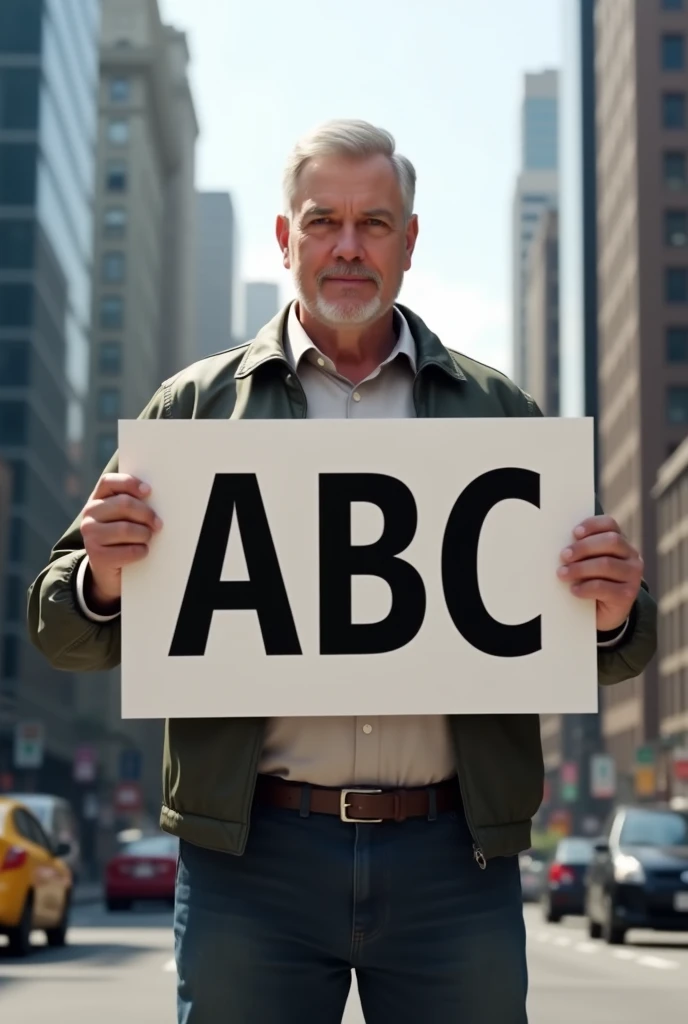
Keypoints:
(141, 150)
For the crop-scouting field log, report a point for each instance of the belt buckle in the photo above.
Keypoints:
(343, 804)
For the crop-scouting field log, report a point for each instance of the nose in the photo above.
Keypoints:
(348, 244)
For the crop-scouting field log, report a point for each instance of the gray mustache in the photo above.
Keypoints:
(348, 271)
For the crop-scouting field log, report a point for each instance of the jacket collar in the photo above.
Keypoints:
(268, 346)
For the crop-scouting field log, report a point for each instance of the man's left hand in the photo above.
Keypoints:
(600, 564)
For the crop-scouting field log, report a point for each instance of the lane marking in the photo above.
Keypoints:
(171, 966)
(658, 962)
(562, 941)
(625, 954)
(588, 947)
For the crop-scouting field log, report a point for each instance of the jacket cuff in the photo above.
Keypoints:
(611, 637)
(79, 584)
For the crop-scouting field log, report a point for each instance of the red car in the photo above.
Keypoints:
(144, 870)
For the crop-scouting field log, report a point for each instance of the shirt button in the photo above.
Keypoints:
(367, 729)
(321, 361)
(356, 396)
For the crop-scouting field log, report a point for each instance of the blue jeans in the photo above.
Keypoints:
(272, 937)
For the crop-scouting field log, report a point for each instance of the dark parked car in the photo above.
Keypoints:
(639, 875)
(143, 870)
(564, 890)
(532, 868)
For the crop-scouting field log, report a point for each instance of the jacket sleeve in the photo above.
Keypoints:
(635, 650)
(57, 626)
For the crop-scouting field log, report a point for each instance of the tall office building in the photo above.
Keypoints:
(144, 280)
(642, 183)
(536, 191)
(262, 304)
(48, 88)
(215, 273)
(542, 315)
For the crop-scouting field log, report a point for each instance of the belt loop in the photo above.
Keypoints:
(305, 809)
(432, 804)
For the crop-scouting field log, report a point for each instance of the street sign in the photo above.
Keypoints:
(130, 763)
(128, 798)
(680, 765)
(569, 782)
(645, 755)
(602, 776)
(28, 745)
(91, 807)
(85, 764)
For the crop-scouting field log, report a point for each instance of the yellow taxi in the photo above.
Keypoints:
(35, 884)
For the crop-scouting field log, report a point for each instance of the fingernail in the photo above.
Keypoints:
(157, 522)
(144, 488)
(567, 553)
(579, 531)
(563, 571)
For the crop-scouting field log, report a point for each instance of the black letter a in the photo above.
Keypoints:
(264, 591)
(340, 560)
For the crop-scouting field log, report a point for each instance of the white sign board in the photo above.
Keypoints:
(29, 744)
(358, 567)
(602, 776)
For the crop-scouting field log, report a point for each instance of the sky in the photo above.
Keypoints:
(444, 76)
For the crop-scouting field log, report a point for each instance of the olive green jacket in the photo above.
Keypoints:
(210, 765)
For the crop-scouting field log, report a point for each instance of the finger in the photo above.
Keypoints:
(615, 595)
(120, 483)
(596, 524)
(122, 507)
(605, 568)
(104, 535)
(598, 545)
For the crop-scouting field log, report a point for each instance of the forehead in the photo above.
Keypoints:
(335, 181)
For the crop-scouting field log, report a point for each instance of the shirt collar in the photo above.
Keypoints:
(298, 344)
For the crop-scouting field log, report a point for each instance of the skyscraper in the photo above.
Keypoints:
(642, 183)
(215, 273)
(48, 85)
(262, 304)
(542, 315)
(536, 191)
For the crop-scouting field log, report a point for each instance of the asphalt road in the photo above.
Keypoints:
(118, 969)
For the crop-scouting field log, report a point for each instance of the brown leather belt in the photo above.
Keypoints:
(360, 804)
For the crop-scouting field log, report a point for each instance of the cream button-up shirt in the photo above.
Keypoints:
(389, 750)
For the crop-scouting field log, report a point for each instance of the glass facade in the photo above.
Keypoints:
(540, 131)
(49, 56)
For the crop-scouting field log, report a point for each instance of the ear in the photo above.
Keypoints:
(282, 234)
(411, 239)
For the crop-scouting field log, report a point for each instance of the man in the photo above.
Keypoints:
(422, 899)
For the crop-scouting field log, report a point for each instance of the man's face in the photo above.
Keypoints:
(347, 242)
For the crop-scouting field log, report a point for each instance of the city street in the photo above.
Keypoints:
(118, 969)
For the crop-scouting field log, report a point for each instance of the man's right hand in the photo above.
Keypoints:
(117, 525)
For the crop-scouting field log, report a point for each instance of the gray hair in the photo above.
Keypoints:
(355, 139)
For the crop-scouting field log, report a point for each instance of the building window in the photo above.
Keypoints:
(10, 657)
(16, 244)
(672, 5)
(14, 363)
(673, 52)
(677, 284)
(18, 493)
(674, 110)
(13, 422)
(677, 344)
(113, 266)
(19, 98)
(677, 404)
(20, 26)
(18, 162)
(118, 132)
(16, 547)
(16, 305)
(675, 171)
(110, 358)
(116, 176)
(119, 90)
(676, 228)
(13, 600)
(111, 312)
(108, 404)
(106, 446)
(114, 222)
